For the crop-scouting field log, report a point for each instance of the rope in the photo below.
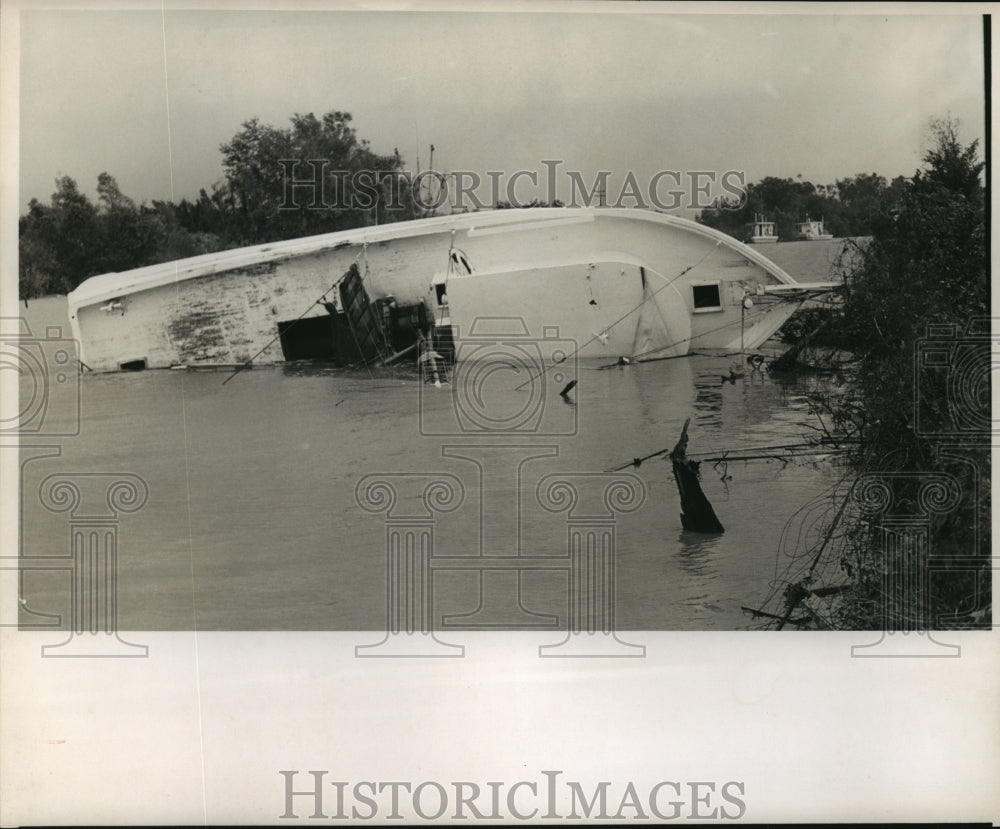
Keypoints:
(440, 310)
(350, 324)
(624, 316)
(806, 298)
(705, 333)
(243, 366)
(447, 273)
(357, 345)
(277, 336)
(364, 280)
(363, 252)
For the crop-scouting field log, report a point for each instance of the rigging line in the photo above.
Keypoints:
(704, 333)
(364, 279)
(447, 276)
(246, 364)
(625, 316)
(451, 266)
(277, 336)
(363, 252)
(354, 336)
(350, 324)
(687, 339)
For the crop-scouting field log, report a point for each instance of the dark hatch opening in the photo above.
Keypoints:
(312, 338)
(329, 339)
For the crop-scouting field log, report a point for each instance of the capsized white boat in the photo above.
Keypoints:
(601, 283)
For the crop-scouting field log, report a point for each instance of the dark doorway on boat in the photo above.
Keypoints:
(312, 338)
(328, 339)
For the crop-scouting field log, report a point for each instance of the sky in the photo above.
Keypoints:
(149, 94)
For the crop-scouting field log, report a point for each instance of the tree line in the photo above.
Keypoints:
(847, 207)
(71, 238)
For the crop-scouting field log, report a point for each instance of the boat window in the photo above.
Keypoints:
(707, 297)
(133, 365)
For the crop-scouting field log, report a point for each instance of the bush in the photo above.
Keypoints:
(919, 285)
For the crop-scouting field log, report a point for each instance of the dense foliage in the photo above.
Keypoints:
(917, 405)
(846, 208)
(71, 238)
(346, 183)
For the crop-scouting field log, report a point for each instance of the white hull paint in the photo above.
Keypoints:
(610, 282)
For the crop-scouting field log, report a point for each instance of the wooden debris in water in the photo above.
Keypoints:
(697, 514)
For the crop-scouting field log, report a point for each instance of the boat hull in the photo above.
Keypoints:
(614, 283)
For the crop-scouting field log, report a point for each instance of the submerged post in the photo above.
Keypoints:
(697, 514)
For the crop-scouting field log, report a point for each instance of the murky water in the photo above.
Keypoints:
(252, 520)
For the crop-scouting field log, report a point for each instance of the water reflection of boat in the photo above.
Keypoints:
(732, 399)
(603, 283)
